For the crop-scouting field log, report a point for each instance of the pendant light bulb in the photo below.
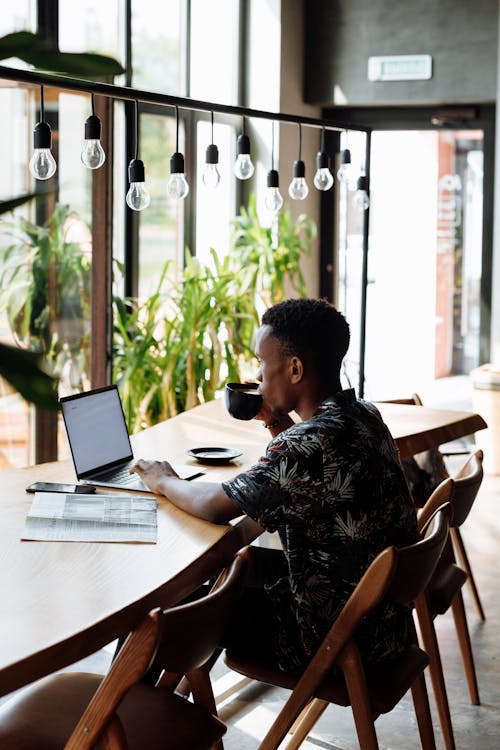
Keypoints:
(361, 198)
(137, 197)
(273, 200)
(298, 188)
(323, 179)
(177, 185)
(211, 175)
(344, 173)
(92, 154)
(42, 164)
(243, 166)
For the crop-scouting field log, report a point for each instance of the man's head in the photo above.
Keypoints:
(309, 336)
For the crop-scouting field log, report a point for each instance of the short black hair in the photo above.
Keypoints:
(313, 330)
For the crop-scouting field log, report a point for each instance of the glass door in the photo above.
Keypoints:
(425, 262)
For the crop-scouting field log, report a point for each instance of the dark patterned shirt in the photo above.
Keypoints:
(334, 490)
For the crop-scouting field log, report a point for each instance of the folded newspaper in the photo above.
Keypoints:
(91, 518)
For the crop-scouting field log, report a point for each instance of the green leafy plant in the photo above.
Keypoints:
(181, 345)
(45, 286)
(25, 371)
(36, 50)
(278, 267)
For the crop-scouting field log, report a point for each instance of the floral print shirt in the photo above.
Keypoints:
(334, 490)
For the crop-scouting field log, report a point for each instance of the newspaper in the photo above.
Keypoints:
(91, 518)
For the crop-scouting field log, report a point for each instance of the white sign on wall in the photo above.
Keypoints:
(400, 68)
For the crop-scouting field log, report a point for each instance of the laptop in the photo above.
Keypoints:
(99, 440)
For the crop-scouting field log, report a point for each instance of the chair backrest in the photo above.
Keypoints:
(129, 667)
(416, 563)
(399, 574)
(442, 494)
(192, 631)
(467, 484)
(413, 400)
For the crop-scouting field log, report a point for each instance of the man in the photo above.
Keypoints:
(331, 485)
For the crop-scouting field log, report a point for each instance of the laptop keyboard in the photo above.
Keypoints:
(121, 474)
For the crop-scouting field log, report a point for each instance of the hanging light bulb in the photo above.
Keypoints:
(177, 185)
(42, 164)
(243, 166)
(361, 198)
(211, 175)
(344, 173)
(323, 179)
(137, 195)
(273, 200)
(92, 154)
(298, 188)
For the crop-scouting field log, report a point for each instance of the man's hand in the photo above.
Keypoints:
(152, 473)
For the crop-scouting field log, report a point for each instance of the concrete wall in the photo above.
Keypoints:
(460, 35)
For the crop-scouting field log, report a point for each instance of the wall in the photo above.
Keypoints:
(460, 35)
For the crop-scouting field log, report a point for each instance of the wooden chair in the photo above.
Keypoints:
(399, 574)
(468, 481)
(79, 711)
(445, 587)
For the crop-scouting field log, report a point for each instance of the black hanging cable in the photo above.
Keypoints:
(176, 128)
(322, 147)
(92, 104)
(136, 112)
(212, 123)
(42, 106)
(300, 140)
(272, 147)
(243, 125)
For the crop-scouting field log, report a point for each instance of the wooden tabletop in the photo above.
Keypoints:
(61, 601)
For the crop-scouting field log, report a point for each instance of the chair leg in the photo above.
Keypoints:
(431, 647)
(464, 561)
(305, 723)
(203, 694)
(423, 713)
(458, 609)
(364, 720)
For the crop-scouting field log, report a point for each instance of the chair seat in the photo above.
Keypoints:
(43, 716)
(385, 685)
(444, 586)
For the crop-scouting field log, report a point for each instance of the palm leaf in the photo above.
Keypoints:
(24, 371)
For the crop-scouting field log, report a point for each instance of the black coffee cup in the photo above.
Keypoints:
(242, 400)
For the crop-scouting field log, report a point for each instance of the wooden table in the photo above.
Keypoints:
(59, 602)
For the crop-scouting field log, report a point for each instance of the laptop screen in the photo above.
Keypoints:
(96, 428)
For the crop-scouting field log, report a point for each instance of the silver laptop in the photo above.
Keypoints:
(100, 443)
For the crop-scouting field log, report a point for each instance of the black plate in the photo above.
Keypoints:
(212, 455)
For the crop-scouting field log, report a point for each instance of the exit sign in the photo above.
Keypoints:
(400, 68)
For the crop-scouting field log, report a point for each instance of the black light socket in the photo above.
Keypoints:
(136, 171)
(212, 154)
(299, 168)
(243, 144)
(42, 135)
(322, 160)
(177, 163)
(345, 156)
(363, 183)
(273, 180)
(92, 128)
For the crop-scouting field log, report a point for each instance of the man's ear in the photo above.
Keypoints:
(296, 370)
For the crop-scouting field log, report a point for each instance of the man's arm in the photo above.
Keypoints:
(205, 500)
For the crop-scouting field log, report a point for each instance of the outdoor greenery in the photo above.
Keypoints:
(26, 371)
(45, 288)
(177, 348)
